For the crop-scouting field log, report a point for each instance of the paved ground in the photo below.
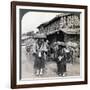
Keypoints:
(51, 68)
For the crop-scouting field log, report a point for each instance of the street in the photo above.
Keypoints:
(27, 70)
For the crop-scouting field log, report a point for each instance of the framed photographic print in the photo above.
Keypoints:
(48, 44)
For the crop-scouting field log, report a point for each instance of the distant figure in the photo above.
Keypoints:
(27, 50)
(69, 54)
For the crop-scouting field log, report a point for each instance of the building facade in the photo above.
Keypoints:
(64, 27)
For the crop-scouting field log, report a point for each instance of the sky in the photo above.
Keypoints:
(31, 20)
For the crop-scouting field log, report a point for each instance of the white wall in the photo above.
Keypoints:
(5, 44)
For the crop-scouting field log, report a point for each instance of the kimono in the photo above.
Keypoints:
(39, 61)
(61, 62)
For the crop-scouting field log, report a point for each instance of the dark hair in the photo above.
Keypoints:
(62, 46)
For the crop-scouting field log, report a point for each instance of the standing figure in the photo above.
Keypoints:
(61, 61)
(39, 63)
(27, 50)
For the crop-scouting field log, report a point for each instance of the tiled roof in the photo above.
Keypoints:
(53, 19)
(71, 31)
(67, 31)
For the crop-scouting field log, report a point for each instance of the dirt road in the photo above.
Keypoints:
(50, 70)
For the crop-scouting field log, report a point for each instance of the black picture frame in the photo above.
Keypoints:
(13, 44)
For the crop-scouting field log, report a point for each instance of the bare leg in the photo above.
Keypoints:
(41, 71)
(37, 72)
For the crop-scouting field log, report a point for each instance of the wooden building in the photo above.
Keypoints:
(64, 27)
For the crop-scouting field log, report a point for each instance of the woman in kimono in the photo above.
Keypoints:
(61, 61)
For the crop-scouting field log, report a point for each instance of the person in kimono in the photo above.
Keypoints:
(39, 62)
(61, 61)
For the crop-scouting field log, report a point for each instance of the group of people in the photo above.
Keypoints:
(41, 48)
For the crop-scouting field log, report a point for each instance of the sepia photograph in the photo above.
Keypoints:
(49, 44)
